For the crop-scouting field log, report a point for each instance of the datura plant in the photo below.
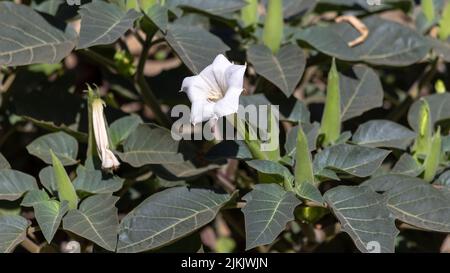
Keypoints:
(330, 124)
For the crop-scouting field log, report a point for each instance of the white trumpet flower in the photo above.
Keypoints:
(109, 160)
(215, 92)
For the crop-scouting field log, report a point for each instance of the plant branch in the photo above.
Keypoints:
(144, 89)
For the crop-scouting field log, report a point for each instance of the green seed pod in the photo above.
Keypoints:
(444, 23)
(432, 160)
(428, 9)
(303, 163)
(331, 119)
(66, 191)
(274, 25)
(423, 139)
(249, 13)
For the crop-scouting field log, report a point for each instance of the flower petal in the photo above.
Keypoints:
(229, 104)
(235, 76)
(196, 88)
(220, 66)
(202, 110)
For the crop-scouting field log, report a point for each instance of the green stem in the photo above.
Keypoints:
(144, 89)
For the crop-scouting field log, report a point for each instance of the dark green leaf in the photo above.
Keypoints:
(383, 133)
(63, 145)
(388, 43)
(150, 145)
(12, 232)
(103, 23)
(196, 47)
(414, 201)
(355, 160)
(96, 182)
(96, 220)
(364, 216)
(269, 208)
(285, 69)
(361, 91)
(167, 216)
(27, 38)
(13, 184)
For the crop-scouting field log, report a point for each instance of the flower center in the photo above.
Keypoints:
(214, 95)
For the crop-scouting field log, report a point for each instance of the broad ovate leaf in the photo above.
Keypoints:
(150, 145)
(355, 160)
(103, 23)
(13, 184)
(269, 208)
(284, 69)
(48, 213)
(414, 201)
(167, 216)
(361, 90)
(95, 220)
(195, 46)
(12, 232)
(383, 133)
(27, 38)
(389, 43)
(96, 181)
(364, 215)
(63, 145)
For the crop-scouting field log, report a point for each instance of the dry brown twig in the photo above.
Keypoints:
(358, 25)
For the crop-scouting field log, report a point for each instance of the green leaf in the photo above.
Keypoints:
(48, 180)
(439, 110)
(158, 16)
(414, 201)
(443, 180)
(34, 197)
(389, 43)
(48, 212)
(13, 230)
(407, 165)
(364, 216)
(13, 184)
(361, 90)
(4, 164)
(195, 46)
(284, 70)
(186, 170)
(96, 182)
(103, 23)
(282, 174)
(66, 191)
(95, 220)
(64, 146)
(269, 208)
(168, 216)
(120, 129)
(383, 133)
(217, 8)
(150, 145)
(331, 118)
(27, 38)
(433, 158)
(355, 160)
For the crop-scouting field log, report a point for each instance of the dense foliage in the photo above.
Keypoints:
(363, 161)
